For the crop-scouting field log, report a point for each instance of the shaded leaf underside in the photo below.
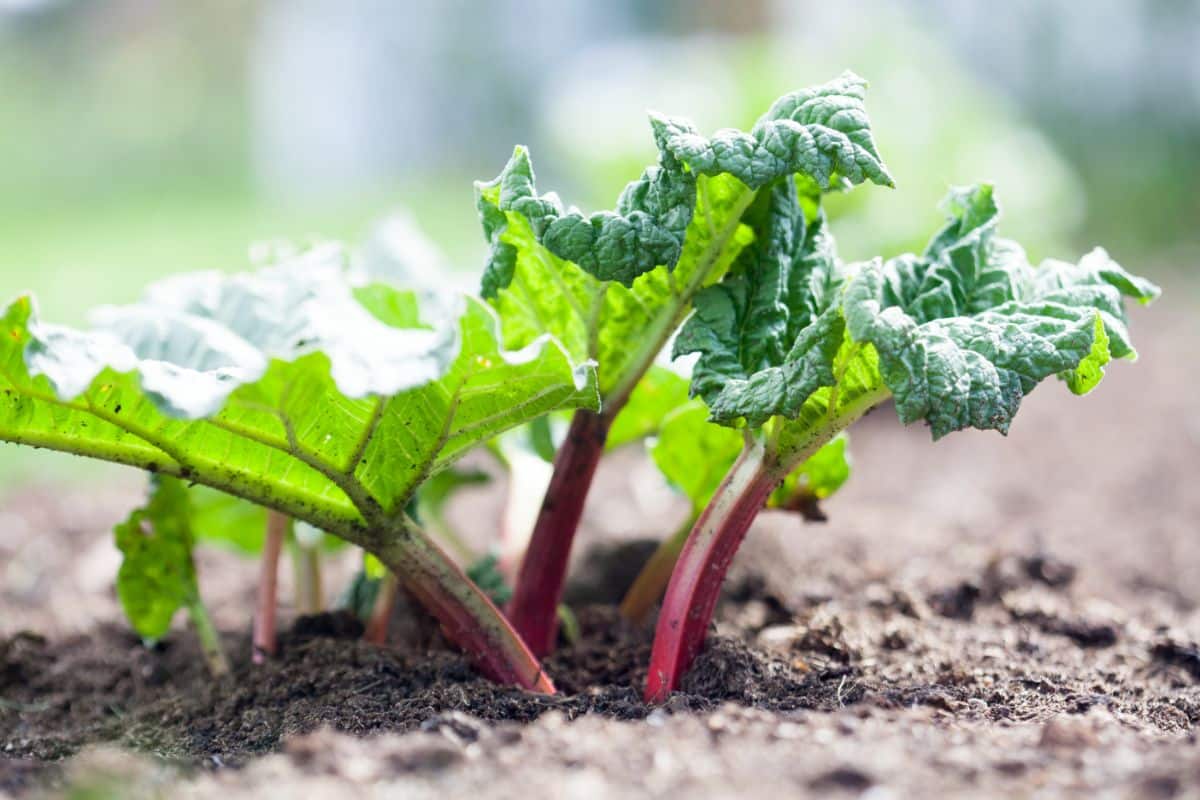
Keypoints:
(288, 438)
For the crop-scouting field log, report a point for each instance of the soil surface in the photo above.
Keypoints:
(980, 617)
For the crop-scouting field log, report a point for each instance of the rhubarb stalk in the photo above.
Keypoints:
(533, 609)
(468, 617)
(306, 567)
(696, 581)
(268, 587)
(381, 611)
(210, 641)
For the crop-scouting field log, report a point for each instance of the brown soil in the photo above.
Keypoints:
(980, 618)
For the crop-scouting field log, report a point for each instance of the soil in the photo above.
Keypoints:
(980, 617)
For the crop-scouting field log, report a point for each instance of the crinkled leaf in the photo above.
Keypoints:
(308, 435)
(967, 329)
(959, 334)
(619, 327)
(157, 576)
(767, 334)
(614, 286)
(822, 133)
(644, 231)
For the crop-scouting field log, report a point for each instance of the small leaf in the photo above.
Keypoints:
(308, 436)
(820, 476)
(487, 576)
(694, 454)
(657, 394)
(157, 575)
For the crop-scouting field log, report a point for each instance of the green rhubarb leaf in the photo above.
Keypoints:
(968, 328)
(281, 387)
(822, 133)
(615, 286)
(157, 576)
(959, 334)
(768, 333)
(620, 328)
(486, 574)
(230, 522)
(227, 520)
(657, 394)
(645, 230)
(820, 476)
(693, 454)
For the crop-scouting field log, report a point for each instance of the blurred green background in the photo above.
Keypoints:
(142, 138)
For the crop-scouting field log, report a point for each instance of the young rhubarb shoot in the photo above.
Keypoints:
(302, 392)
(794, 348)
(267, 596)
(306, 568)
(381, 611)
(614, 286)
(158, 576)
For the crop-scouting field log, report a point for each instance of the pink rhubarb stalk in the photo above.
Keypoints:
(696, 582)
(533, 609)
(467, 616)
(381, 612)
(263, 637)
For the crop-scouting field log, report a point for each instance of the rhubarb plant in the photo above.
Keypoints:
(795, 346)
(301, 391)
(614, 286)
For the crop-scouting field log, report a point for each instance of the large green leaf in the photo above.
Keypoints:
(615, 286)
(341, 414)
(959, 334)
(967, 329)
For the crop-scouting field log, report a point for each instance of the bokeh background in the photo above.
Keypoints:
(145, 137)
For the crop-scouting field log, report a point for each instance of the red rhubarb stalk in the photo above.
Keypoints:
(263, 637)
(381, 612)
(467, 616)
(696, 582)
(533, 609)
